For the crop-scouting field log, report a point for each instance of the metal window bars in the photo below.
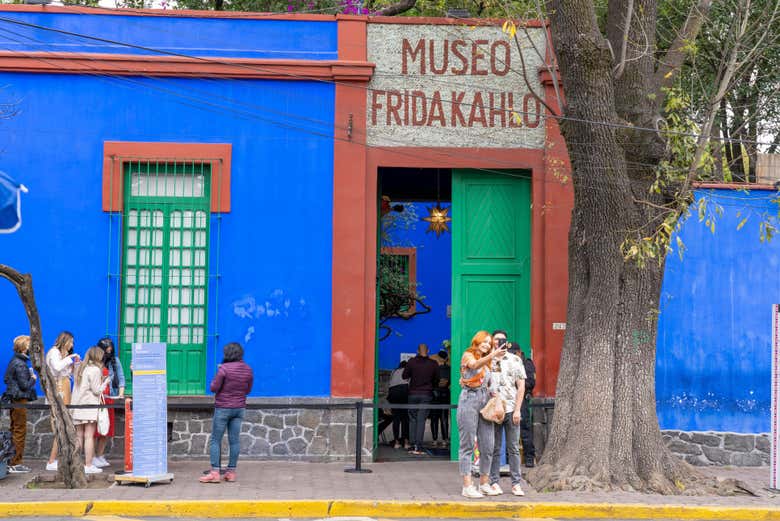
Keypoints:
(158, 270)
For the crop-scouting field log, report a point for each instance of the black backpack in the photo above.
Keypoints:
(530, 375)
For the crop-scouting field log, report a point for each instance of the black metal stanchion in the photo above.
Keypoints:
(358, 442)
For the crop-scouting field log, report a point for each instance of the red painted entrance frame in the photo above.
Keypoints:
(355, 220)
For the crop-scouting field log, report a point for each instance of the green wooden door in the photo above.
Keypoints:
(165, 267)
(491, 261)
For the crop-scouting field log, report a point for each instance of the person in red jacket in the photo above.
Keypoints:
(232, 384)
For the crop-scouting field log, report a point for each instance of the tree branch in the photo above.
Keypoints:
(528, 83)
(676, 55)
(400, 7)
(71, 467)
(729, 70)
(624, 42)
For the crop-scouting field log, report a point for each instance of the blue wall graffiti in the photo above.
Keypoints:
(434, 274)
(270, 258)
(714, 331)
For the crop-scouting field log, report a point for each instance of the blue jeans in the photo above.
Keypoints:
(229, 419)
(512, 432)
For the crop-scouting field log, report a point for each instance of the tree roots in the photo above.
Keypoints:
(678, 479)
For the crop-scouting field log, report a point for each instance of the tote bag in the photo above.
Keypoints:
(103, 423)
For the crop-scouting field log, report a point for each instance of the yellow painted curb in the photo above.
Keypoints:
(391, 509)
(215, 508)
(43, 508)
(507, 510)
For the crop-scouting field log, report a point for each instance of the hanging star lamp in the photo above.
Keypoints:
(437, 216)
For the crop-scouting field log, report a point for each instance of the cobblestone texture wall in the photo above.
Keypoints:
(329, 435)
(719, 448)
(283, 434)
(697, 448)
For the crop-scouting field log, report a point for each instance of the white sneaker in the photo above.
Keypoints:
(52, 466)
(498, 490)
(517, 490)
(488, 490)
(100, 462)
(471, 492)
(91, 469)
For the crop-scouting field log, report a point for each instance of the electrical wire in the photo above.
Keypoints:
(345, 84)
(297, 128)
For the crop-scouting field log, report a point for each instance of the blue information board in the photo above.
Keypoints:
(150, 410)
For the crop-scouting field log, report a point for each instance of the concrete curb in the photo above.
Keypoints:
(387, 509)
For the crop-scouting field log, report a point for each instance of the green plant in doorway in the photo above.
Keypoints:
(398, 294)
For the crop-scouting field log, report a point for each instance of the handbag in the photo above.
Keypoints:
(103, 423)
(493, 411)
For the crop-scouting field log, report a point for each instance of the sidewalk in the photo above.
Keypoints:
(417, 484)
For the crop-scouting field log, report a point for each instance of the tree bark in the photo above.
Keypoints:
(605, 432)
(397, 8)
(71, 464)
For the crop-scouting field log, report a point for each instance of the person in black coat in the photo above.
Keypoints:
(20, 388)
(526, 427)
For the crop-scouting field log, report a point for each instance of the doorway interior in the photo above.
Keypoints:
(414, 278)
(474, 274)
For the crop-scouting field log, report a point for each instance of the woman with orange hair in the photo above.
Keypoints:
(475, 380)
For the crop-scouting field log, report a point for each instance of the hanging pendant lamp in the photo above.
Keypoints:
(437, 216)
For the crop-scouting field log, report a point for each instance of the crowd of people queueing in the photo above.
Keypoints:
(493, 402)
(95, 379)
(420, 380)
(98, 378)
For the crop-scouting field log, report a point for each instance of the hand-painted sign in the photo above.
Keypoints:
(454, 86)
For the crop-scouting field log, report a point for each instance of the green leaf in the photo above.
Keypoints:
(741, 223)
(680, 247)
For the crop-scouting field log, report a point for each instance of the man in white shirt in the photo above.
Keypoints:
(509, 380)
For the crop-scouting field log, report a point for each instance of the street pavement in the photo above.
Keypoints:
(399, 481)
(391, 489)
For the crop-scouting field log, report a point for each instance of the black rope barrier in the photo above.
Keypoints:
(359, 406)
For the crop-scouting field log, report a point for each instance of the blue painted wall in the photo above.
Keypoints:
(714, 331)
(270, 261)
(236, 38)
(434, 275)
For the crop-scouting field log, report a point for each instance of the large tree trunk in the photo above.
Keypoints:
(605, 431)
(71, 464)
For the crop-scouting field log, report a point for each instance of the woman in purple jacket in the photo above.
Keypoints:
(231, 384)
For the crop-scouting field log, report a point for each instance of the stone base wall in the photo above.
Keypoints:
(325, 434)
(697, 448)
(719, 448)
(328, 434)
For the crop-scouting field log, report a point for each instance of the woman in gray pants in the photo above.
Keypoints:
(475, 380)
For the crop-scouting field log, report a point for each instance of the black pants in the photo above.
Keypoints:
(440, 417)
(526, 430)
(385, 420)
(399, 394)
(400, 425)
(417, 418)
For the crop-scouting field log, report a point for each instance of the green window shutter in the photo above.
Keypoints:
(165, 267)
